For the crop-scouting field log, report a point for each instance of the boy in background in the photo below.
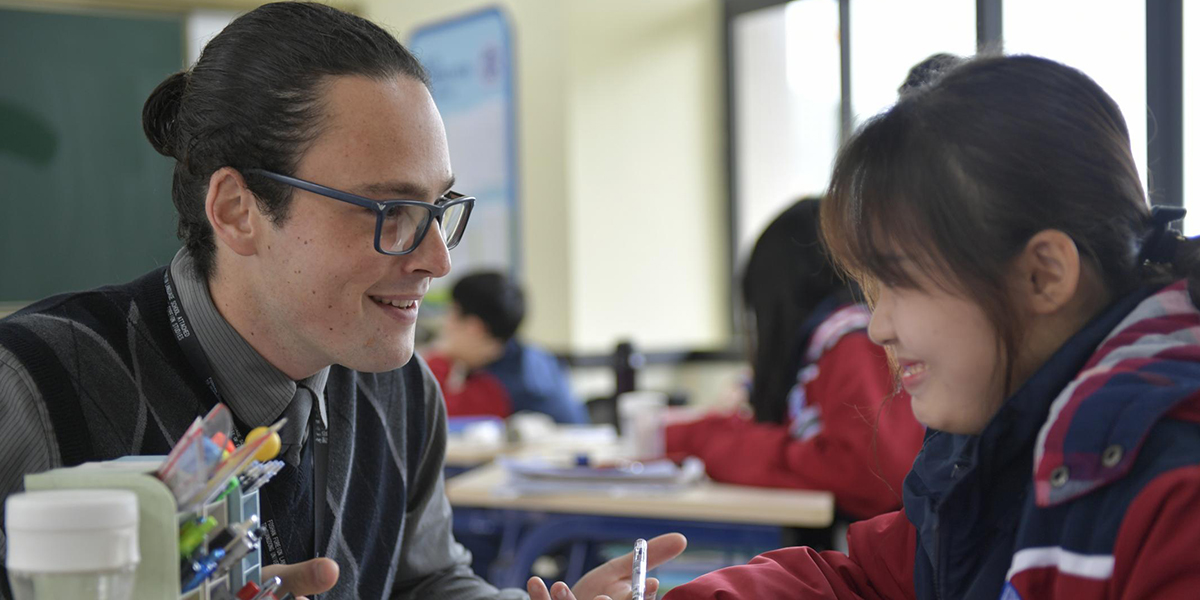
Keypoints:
(481, 365)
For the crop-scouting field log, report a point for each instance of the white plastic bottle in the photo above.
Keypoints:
(72, 544)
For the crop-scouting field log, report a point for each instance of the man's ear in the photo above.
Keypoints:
(232, 210)
(1048, 272)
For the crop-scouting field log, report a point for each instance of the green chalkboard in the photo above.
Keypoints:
(84, 199)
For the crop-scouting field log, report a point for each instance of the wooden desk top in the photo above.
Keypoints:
(597, 441)
(484, 488)
(472, 455)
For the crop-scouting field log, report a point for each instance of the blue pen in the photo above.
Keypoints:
(201, 569)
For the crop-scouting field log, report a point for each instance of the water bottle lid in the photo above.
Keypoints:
(65, 531)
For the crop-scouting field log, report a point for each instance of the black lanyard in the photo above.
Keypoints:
(203, 368)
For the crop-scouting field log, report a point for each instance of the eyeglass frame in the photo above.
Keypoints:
(436, 211)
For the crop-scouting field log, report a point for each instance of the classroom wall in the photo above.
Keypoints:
(540, 70)
(621, 146)
(621, 154)
(648, 239)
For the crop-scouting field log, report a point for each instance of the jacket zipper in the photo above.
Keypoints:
(937, 560)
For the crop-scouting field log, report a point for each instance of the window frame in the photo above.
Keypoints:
(1164, 101)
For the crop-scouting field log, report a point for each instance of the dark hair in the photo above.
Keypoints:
(495, 299)
(254, 100)
(928, 71)
(786, 279)
(960, 174)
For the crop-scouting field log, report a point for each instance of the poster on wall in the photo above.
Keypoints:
(469, 60)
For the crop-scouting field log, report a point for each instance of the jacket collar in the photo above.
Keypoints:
(1148, 364)
(1012, 430)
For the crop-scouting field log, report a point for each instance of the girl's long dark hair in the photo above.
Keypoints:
(786, 279)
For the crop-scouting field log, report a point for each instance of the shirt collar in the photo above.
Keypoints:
(254, 389)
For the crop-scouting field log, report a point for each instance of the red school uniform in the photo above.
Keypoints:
(479, 393)
(849, 432)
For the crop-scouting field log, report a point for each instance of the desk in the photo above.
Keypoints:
(599, 442)
(713, 502)
(461, 456)
(710, 513)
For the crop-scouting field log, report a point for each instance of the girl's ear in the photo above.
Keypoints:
(1047, 272)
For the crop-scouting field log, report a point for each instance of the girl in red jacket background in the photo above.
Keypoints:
(826, 414)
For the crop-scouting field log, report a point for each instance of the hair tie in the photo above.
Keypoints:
(1160, 245)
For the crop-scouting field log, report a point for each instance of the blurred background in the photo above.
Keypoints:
(625, 153)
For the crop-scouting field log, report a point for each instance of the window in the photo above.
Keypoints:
(1109, 45)
(887, 38)
(1191, 118)
(787, 94)
(786, 81)
(203, 24)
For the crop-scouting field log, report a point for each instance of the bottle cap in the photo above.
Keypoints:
(71, 531)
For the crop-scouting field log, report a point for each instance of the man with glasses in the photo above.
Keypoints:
(313, 186)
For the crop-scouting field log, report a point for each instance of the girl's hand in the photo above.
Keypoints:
(613, 579)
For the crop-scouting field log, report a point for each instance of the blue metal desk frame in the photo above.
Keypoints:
(526, 535)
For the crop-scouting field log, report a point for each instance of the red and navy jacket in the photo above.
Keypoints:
(849, 432)
(1086, 484)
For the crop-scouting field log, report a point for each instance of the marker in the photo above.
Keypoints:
(230, 535)
(237, 549)
(269, 471)
(268, 589)
(250, 591)
(639, 569)
(192, 533)
(201, 570)
(231, 467)
(233, 484)
(269, 449)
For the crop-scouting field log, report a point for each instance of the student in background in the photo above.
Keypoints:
(1044, 321)
(481, 365)
(928, 70)
(825, 412)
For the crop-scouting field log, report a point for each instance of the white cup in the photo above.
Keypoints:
(641, 416)
(72, 544)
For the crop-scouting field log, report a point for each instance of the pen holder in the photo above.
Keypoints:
(158, 575)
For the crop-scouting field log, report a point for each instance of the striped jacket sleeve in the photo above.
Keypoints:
(1154, 557)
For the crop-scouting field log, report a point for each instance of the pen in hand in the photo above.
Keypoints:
(639, 570)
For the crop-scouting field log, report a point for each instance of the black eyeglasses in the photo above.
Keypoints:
(400, 225)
